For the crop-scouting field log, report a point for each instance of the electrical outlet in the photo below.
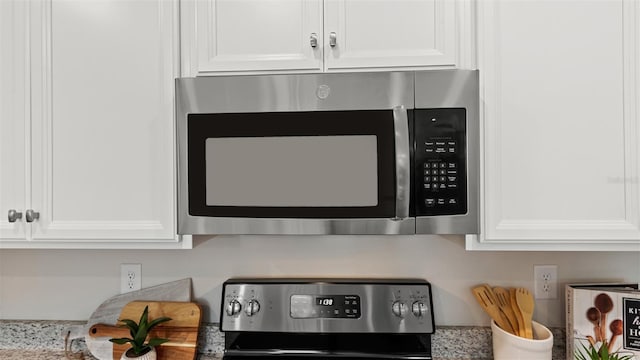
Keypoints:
(545, 279)
(130, 277)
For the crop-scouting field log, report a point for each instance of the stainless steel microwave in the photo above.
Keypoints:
(338, 153)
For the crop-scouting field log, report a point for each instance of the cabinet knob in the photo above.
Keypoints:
(313, 39)
(14, 216)
(32, 215)
(332, 39)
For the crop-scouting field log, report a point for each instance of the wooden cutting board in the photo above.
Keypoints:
(182, 330)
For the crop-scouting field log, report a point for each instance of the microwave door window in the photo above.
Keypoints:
(292, 171)
(323, 164)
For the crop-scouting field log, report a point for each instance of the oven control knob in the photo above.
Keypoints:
(233, 307)
(399, 309)
(253, 306)
(419, 309)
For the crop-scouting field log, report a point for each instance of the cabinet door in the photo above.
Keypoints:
(383, 34)
(14, 145)
(102, 82)
(257, 35)
(561, 123)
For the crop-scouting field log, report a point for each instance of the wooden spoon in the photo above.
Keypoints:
(504, 303)
(485, 299)
(616, 330)
(604, 304)
(516, 312)
(525, 302)
(593, 315)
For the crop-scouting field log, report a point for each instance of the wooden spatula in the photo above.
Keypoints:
(525, 302)
(486, 300)
(504, 303)
(516, 312)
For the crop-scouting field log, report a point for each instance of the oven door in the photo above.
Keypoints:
(294, 154)
(344, 346)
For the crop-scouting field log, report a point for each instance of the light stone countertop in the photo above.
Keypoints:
(44, 340)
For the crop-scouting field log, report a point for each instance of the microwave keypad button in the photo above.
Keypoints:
(452, 165)
(443, 165)
(452, 201)
(440, 143)
(428, 143)
(429, 150)
(451, 150)
(429, 202)
(427, 179)
(443, 172)
(427, 165)
(441, 201)
(452, 186)
(443, 186)
(427, 185)
(443, 178)
(451, 178)
(451, 143)
(438, 150)
(452, 172)
(427, 172)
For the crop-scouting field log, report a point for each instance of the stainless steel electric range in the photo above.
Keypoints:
(327, 318)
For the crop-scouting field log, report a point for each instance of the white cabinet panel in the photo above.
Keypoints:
(100, 166)
(221, 37)
(255, 35)
(403, 33)
(14, 144)
(560, 124)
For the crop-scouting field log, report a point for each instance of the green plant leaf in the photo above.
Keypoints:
(157, 341)
(120, 341)
(130, 324)
(157, 321)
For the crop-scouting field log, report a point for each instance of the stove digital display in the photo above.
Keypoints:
(333, 306)
(324, 301)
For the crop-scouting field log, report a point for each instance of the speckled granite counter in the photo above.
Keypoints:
(44, 340)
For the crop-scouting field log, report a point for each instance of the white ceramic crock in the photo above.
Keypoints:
(507, 346)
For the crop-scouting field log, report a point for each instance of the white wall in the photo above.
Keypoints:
(70, 284)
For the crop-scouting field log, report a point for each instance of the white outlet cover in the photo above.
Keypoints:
(545, 281)
(130, 277)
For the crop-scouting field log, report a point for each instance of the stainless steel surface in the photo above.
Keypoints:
(233, 307)
(454, 89)
(265, 93)
(313, 39)
(403, 162)
(399, 308)
(31, 215)
(319, 92)
(253, 306)
(377, 301)
(13, 215)
(419, 308)
(333, 39)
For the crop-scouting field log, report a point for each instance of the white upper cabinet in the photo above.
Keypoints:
(99, 126)
(383, 34)
(253, 36)
(258, 35)
(14, 144)
(560, 86)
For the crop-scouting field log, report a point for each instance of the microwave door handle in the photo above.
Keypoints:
(403, 180)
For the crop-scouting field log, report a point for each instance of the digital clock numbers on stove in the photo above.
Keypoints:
(334, 306)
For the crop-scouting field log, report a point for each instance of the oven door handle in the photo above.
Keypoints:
(403, 175)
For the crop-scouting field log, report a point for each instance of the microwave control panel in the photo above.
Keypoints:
(440, 166)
